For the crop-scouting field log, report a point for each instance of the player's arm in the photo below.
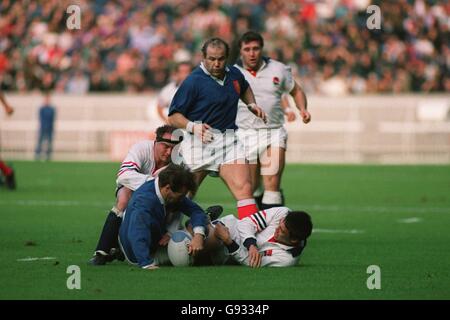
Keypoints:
(243, 256)
(8, 109)
(300, 102)
(249, 99)
(160, 109)
(255, 223)
(180, 106)
(237, 251)
(198, 221)
(129, 174)
(287, 110)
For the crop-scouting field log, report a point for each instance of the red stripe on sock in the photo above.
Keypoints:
(247, 210)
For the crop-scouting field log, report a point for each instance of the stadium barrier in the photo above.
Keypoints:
(351, 129)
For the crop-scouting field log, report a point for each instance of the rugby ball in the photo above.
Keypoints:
(177, 249)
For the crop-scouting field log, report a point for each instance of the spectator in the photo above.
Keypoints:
(34, 41)
(47, 116)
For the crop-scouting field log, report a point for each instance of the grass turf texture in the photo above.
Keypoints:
(58, 211)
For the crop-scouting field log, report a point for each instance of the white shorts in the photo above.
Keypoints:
(256, 141)
(225, 148)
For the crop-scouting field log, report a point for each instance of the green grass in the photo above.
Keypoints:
(59, 210)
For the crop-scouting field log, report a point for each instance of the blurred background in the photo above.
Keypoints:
(378, 96)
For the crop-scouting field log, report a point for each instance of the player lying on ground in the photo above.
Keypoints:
(274, 238)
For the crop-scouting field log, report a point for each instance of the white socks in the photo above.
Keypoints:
(272, 197)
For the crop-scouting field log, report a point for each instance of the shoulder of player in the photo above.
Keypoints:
(280, 211)
(235, 72)
(143, 145)
(271, 63)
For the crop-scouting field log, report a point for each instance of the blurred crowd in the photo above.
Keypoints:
(132, 46)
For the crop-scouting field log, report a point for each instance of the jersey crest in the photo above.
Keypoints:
(276, 81)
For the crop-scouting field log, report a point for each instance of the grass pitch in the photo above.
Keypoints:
(395, 217)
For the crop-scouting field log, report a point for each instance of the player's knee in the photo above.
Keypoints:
(244, 189)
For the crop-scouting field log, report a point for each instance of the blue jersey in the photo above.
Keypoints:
(144, 223)
(201, 98)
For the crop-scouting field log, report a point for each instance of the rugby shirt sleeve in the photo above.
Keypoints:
(184, 97)
(129, 174)
(255, 223)
(288, 79)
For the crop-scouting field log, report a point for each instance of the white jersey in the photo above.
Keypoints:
(138, 166)
(268, 84)
(166, 95)
(261, 226)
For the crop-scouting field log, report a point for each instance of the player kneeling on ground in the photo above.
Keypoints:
(152, 209)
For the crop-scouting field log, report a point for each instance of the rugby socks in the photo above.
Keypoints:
(5, 169)
(271, 199)
(258, 192)
(246, 208)
(258, 195)
(110, 233)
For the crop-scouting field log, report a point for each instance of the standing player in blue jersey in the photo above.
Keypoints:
(206, 105)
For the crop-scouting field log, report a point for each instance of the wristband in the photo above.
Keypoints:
(190, 127)
(250, 106)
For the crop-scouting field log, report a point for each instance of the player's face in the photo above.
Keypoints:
(251, 54)
(163, 150)
(215, 61)
(174, 197)
(282, 234)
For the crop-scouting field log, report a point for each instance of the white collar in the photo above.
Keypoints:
(158, 192)
(219, 81)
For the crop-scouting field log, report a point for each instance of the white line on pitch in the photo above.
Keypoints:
(28, 259)
(318, 207)
(351, 231)
(410, 220)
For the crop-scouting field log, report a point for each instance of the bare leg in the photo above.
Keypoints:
(273, 166)
(238, 180)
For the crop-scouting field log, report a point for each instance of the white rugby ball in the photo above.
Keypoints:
(177, 249)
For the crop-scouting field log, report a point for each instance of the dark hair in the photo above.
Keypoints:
(250, 36)
(178, 178)
(215, 42)
(299, 225)
(160, 131)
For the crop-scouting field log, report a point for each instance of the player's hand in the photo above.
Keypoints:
(164, 240)
(203, 131)
(257, 111)
(306, 117)
(290, 115)
(196, 244)
(222, 233)
(254, 257)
